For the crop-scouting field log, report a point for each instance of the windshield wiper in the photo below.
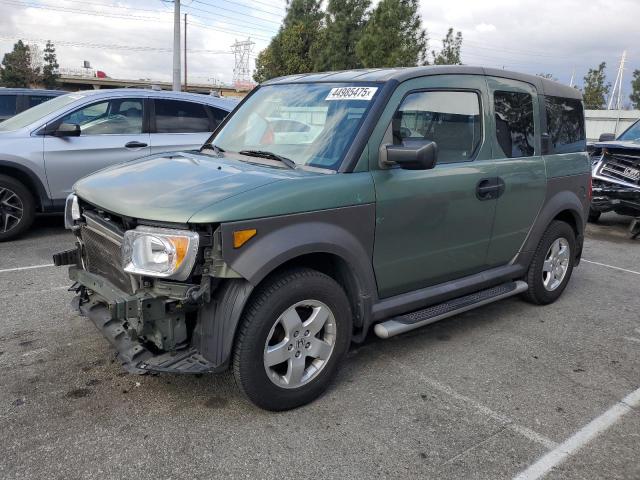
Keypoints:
(274, 156)
(216, 149)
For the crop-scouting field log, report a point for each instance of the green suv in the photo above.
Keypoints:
(327, 205)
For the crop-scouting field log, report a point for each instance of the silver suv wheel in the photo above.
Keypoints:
(556, 264)
(300, 344)
(11, 210)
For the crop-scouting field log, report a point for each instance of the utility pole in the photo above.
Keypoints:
(176, 45)
(185, 52)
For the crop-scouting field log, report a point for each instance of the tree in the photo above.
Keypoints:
(450, 53)
(344, 21)
(635, 89)
(294, 48)
(595, 88)
(50, 69)
(393, 36)
(16, 67)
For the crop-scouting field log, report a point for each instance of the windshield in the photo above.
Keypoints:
(36, 113)
(312, 124)
(632, 133)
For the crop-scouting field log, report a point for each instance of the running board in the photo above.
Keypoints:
(409, 321)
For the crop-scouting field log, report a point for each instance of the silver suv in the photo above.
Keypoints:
(45, 149)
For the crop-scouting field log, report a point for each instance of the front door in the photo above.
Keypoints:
(111, 132)
(434, 225)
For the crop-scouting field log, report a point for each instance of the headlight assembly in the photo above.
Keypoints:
(159, 252)
(71, 211)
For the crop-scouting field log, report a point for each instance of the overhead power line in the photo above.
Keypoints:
(111, 46)
(240, 4)
(120, 16)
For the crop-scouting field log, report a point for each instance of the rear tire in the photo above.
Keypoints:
(17, 208)
(293, 335)
(552, 264)
(594, 216)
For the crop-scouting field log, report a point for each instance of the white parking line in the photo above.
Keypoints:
(587, 433)
(505, 420)
(611, 266)
(17, 269)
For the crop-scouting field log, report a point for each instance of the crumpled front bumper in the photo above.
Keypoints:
(607, 197)
(114, 313)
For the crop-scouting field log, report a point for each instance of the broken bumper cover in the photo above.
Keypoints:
(113, 310)
(610, 197)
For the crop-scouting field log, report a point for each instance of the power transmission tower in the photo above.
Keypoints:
(616, 93)
(241, 71)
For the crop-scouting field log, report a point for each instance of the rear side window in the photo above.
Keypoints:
(174, 116)
(8, 104)
(565, 125)
(514, 123)
(451, 119)
(217, 115)
(33, 100)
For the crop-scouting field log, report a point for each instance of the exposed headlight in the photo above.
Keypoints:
(71, 211)
(160, 252)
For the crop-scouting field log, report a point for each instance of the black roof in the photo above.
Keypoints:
(543, 85)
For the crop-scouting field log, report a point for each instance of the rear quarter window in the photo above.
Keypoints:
(515, 127)
(565, 125)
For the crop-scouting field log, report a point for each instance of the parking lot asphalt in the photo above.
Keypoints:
(487, 394)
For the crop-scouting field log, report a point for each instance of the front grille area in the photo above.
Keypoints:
(622, 167)
(103, 257)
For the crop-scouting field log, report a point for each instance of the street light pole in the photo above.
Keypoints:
(176, 46)
(185, 52)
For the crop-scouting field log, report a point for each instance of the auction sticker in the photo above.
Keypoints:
(352, 93)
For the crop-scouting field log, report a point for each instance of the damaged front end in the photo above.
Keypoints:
(616, 182)
(148, 288)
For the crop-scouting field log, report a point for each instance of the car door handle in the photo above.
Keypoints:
(490, 188)
(135, 144)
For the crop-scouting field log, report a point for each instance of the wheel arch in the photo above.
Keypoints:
(29, 180)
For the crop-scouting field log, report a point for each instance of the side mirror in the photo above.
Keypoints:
(418, 156)
(67, 130)
(606, 137)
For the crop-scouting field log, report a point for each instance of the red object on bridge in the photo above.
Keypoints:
(101, 74)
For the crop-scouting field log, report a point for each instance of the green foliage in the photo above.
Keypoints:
(393, 36)
(344, 21)
(50, 68)
(294, 48)
(595, 88)
(450, 53)
(16, 67)
(635, 89)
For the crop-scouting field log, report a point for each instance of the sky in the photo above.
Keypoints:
(132, 38)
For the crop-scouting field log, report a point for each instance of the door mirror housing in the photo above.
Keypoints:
(413, 156)
(606, 137)
(67, 130)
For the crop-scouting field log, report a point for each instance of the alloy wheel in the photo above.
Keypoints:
(11, 209)
(300, 344)
(556, 264)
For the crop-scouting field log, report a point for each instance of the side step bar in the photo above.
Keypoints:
(410, 321)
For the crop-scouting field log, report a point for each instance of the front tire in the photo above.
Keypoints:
(17, 208)
(293, 335)
(552, 264)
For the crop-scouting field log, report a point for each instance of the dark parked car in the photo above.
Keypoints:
(16, 100)
(395, 198)
(616, 176)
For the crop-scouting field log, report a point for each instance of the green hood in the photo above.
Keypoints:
(173, 187)
(197, 188)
